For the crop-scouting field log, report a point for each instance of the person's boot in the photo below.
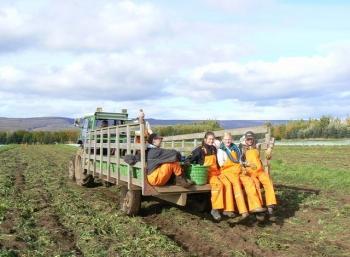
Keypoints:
(271, 213)
(215, 214)
(245, 215)
(259, 209)
(229, 214)
(260, 216)
(182, 181)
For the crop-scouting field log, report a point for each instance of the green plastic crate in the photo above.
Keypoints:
(136, 172)
(198, 174)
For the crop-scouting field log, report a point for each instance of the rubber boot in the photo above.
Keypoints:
(257, 210)
(182, 181)
(245, 215)
(229, 214)
(272, 216)
(260, 216)
(215, 214)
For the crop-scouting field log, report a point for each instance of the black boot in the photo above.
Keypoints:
(271, 213)
(215, 214)
(184, 182)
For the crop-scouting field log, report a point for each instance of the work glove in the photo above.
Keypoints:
(268, 153)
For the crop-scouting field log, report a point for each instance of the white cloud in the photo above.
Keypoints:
(135, 54)
(239, 5)
(14, 29)
(115, 76)
(284, 78)
(81, 25)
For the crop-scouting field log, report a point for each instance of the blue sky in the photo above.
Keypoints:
(205, 59)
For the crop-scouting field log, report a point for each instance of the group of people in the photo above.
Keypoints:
(235, 173)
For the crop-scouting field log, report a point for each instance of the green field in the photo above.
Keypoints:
(42, 213)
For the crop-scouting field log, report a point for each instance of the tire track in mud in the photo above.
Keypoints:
(8, 226)
(63, 237)
(196, 233)
(199, 235)
(43, 212)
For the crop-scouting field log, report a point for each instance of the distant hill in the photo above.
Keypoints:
(35, 124)
(61, 123)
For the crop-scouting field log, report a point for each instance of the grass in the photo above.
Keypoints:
(44, 214)
(47, 204)
(321, 167)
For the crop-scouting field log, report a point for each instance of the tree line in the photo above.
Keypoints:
(325, 127)
(39, 137)
(180, 129)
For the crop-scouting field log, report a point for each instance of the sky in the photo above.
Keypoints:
(199, 59)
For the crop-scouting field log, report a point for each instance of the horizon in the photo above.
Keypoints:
(199, 59)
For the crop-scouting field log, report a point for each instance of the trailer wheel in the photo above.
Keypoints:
(81, 176)
(71, 170)
(131, 202)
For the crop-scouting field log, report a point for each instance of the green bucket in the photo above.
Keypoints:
(198, 174)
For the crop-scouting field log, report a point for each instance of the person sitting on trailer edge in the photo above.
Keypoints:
(163, 163)
(255, 169)
(221, 189)
(229, 157)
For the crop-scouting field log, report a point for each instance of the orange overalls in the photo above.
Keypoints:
(161, 175)
(260, 176)
(232, 171)
(221, 190)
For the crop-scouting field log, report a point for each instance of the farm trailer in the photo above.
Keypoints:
(101, 156)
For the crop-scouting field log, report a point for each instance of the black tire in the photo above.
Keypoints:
(81, 176)
(130, 201)
(71, 169)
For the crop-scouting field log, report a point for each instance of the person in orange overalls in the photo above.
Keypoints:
(229, 160)
(221, 189)
(163, 163)
(255, 169)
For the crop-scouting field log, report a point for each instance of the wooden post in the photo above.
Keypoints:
(117, 152)
(101, 153)
(108, 154)
(195, 142)
(128, 140)
(95, 136)
(128, 150)
(84, 152)
(143, 157)
(89, 149)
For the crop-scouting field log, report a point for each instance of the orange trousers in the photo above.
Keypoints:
(221, 193)
(265, 180)
(161, 175)
(238, 180)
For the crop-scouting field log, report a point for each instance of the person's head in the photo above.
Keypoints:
(227, 139)
(209, 138)
(155, 139)
(249, 138)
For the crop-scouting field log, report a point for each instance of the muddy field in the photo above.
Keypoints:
(44, 214)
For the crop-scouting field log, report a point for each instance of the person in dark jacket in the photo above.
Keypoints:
(162, 163)
(221, 189)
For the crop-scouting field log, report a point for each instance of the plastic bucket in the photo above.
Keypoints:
(198, 174)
